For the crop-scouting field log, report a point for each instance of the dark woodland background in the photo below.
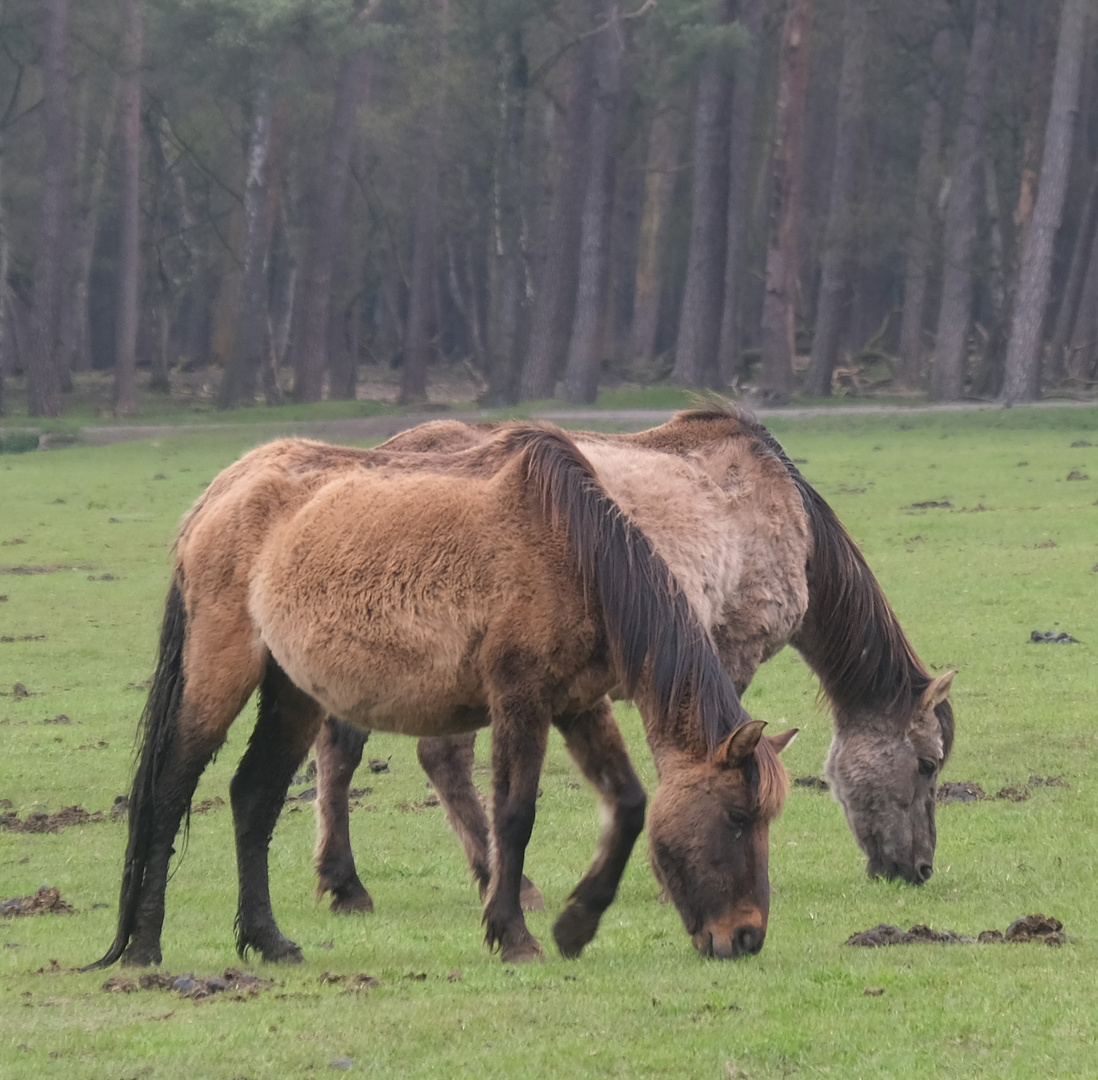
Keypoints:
(803, 196)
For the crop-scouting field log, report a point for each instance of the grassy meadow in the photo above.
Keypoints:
(1016, 550)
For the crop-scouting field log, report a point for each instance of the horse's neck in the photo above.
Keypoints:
(683, 514)
(670, 737)
(862, 683)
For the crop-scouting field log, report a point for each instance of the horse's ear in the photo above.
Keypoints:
(779, 742)
(937, 691)
(740, 744)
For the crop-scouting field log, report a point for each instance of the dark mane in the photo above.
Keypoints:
(851, 636)
(649, 622)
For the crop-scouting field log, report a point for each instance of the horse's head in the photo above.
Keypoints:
(886, 784)
(708, 832)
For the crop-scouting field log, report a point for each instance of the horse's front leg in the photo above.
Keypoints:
(338, 753)
(595, 743)
(288, 723)
(520, 729)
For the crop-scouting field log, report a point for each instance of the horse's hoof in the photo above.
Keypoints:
(285, 952)
(141, 957)
(574, 929)
(530, 898)
(521, 953)
(351, 902)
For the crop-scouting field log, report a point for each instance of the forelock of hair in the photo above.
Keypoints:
(772, 780)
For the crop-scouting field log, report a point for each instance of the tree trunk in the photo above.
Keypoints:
(551, 319)
(422, 326)
(744, 92)
(920, 244)
(700, 317)
(5, 335)
(954, 315)
(1038, 74)
(1022, 380)
(1073, 286)
(624, 241)
(422, 329)
(44, 362)
(1079, 358)
(988, 378)
(581, 373)
(310, 351)
(779, 304)
(508, 272)
(250, 340)
(838, 255)
(660, 174)
(129, 255)
(76, 344)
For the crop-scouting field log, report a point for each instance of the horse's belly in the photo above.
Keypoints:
(390, 675)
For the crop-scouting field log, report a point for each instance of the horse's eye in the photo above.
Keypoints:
(736, 821)
(927, 767)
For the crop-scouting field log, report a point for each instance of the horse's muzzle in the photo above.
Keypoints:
(729, 943)
(918, 873)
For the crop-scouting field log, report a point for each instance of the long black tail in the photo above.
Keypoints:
(157, 733)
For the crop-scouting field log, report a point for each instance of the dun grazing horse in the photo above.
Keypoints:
(498, 586)
(893, 723)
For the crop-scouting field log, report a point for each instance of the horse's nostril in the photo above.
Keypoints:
(923, 872)
(748, 941)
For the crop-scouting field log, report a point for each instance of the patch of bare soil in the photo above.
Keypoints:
(960, 791)
(965, 791)
(815, 783)
(47, 568)
(50, 823)
(351, 984)
(47, 901)
(1052, 637)
(431, 801)
(1039, 928)
(236, 985)
(206, 805)
(932, 504)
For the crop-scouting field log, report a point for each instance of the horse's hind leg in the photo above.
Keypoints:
(287, 725)
(594, 741)
(188, 755)
(448, 763)
(338, 753)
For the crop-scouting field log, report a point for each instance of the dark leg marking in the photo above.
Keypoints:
(287, 725)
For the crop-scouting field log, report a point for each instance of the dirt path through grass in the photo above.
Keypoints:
(384, 427)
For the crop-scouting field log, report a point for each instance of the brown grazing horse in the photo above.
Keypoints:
(499, 586)
(893, 724)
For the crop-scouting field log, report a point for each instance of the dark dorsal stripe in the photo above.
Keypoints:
(649, 622)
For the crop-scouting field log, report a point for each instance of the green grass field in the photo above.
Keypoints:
(1015, 551)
